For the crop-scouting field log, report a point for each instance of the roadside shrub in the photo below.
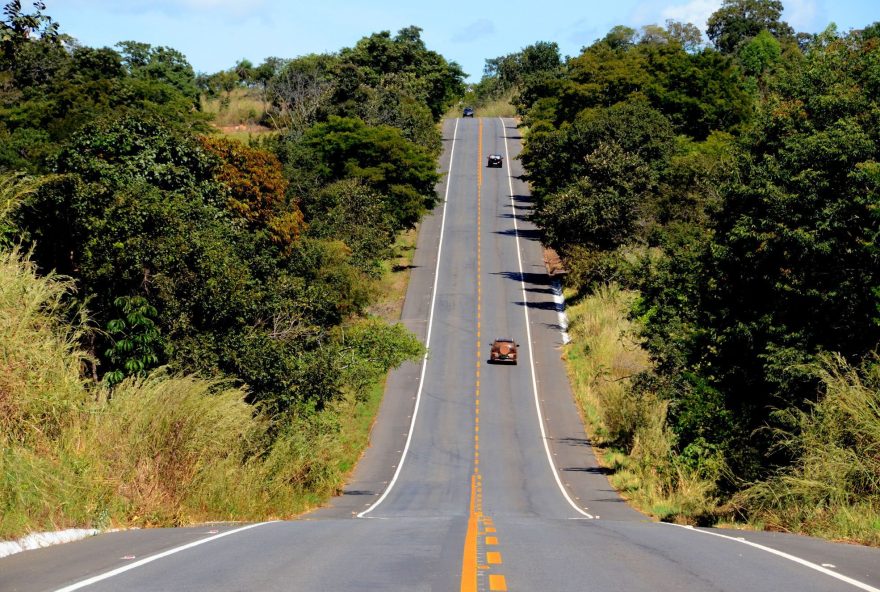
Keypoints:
(606, 361)
(833, 485)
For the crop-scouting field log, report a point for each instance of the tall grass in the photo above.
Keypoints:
(833, 487)
(629, 427)
(242, 106)
(498, 107)
(164, 450)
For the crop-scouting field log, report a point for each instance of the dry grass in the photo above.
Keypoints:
(243, 106)
(604, 356)
(629, 429)
(391, 287)
(238, 115)
(164, 450)
(500, 107)
(833, 487)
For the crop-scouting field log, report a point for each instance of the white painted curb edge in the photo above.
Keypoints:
(39, 540)
(559, 300)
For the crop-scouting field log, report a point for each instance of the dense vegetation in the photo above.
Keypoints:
(195, 302)
(736, 189)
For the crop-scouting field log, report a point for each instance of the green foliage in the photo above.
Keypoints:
(192, 251)
(159, 64)
(790, 267)
(555, 157)
(517, 70)
(352, 212)
(429, 77)
(401, 172)
(833, 486)
(17, 28)
(136, 344)
(737, 190)
(370, 348)
(760, 53)
(601, 208)
(52, 92)
(738, 21)
(698, 92)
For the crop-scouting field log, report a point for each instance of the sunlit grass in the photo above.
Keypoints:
(501, 107)
(163, 450)
(242, 106)
(629, 430)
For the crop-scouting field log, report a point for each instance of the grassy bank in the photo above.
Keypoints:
(831, 490)
(162, 451)
(165, 450)
(237, 114)
(628, 430)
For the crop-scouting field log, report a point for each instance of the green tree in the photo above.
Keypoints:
(349, 210)
(698, 92)
(738, 21)
(554, 158)
(397, 169)
(17, 28)
(687, 35)
(160, 64)
(599, 210)
(789, 269)
(379, 55)
(759, 54)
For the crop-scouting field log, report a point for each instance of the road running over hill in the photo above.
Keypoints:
(479, 476)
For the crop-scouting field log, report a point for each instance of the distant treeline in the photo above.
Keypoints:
(736, 186)
(251, 264)
(202, 253)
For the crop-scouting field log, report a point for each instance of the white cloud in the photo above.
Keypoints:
(695, 11)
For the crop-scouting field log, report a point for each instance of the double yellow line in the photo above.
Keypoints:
(479, 526)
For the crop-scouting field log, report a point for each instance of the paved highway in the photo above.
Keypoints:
(479, 476)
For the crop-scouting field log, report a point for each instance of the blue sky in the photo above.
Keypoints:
(214, 34)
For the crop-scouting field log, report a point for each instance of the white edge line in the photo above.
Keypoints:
(529, 337)
(784, 555)
(415, 414)
(151, 558)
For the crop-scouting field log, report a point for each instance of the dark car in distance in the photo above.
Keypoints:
(495, 161)
(503, 351)
(468, 112)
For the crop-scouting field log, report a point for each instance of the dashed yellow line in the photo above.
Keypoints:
(470, 567)
(497, 583)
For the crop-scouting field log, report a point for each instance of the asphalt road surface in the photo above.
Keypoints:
(479, 476)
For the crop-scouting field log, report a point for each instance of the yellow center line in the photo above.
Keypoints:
(469, 556)
(470, 567)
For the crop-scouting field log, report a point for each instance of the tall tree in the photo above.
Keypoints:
(737, 21)
(18, 27)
